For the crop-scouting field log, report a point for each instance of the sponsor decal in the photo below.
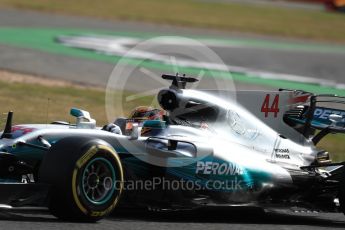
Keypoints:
(322, 113)
(215, 168)
(282, 150)
(18, 131)
(23, 129)
(282, 154)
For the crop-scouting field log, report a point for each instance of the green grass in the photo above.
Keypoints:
(30, 103)
(298, 23)
(335, 145)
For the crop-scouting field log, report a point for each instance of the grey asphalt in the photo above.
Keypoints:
(322, 65)
(274, 3)
(206, 219)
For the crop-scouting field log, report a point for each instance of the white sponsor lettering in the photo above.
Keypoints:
(318, 112)
(215, 168)
(325, 113)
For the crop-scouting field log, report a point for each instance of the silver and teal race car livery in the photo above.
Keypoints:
(208, 150)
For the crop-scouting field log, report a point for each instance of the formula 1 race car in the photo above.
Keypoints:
(209, 150)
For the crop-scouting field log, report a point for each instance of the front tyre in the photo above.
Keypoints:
(86, 177)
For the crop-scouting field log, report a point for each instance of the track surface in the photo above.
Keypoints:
(313, 63)
(198, 220)
(273, 3)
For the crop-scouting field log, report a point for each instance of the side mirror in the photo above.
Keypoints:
(84, 120)
(75, 112)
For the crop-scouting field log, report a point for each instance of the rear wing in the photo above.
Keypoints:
(316, 114)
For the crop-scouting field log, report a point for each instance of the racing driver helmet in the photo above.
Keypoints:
(143, 113)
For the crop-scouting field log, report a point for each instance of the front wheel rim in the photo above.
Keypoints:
(98, 179)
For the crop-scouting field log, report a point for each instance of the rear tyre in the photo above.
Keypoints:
(86, 176)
